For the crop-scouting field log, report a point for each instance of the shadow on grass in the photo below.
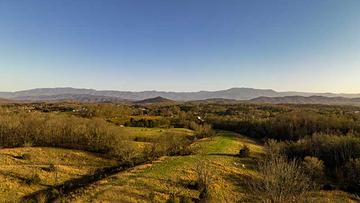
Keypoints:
(242, 183)
(64, 189)
(176, 188)
(222, 154)
(21, 178)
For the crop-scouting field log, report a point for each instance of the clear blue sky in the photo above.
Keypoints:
(180, 45)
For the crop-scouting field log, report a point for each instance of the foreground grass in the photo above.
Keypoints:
(19, 166)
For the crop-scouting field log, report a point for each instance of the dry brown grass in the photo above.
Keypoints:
(15, 171)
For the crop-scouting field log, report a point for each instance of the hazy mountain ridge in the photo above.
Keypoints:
(307, 100)
(70, 97)
(233, 94)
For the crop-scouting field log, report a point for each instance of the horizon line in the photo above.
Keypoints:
(169, 91)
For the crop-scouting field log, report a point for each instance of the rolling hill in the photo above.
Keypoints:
(155, 100)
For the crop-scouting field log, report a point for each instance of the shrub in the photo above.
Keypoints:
(173, 144)
(204, 179)
(313, 167)
(275, 148)
(34, 179)
(52, 168)
(280, 181)
(202, 131)
(244, 152)
(184, 199)
(28, 144)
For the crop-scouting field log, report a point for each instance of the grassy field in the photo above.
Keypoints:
(152, 182)
(168, 176)
(152, 133)
(173, 175)
(26, 170)
(140, 137)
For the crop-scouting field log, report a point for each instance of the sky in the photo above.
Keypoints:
(181, 45)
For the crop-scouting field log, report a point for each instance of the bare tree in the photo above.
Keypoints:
(204, 179)
(280, 181)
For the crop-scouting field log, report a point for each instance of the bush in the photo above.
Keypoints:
(244, 152)
(313, 167)
(168, 145)
(204, 179)
(173, 144)
(202, 131)
(52, 168)
(34, 179)
(184, 199)
(280, 181)
(28, 144)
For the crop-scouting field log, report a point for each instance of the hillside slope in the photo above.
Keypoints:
(173, 176)
(20, 166)
(152, 182)
(155, 100)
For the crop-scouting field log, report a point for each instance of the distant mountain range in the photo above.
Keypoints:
(307, 100)
(254, 95)
(4, 101)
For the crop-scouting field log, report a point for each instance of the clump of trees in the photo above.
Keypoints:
(148, 122)
(334, 150)
(202, 130)
(40, 129)
(327, 157)
(168, 145)
(290, 125)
